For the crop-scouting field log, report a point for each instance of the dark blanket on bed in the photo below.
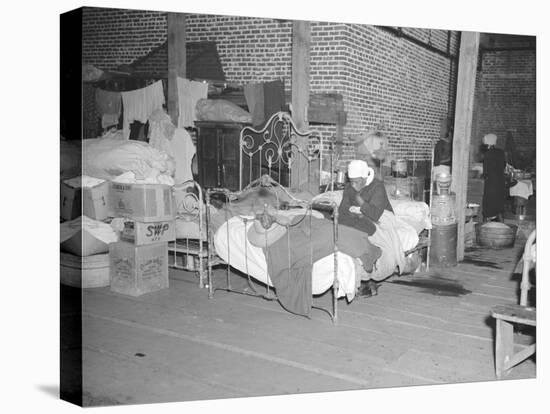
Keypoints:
(293, 285)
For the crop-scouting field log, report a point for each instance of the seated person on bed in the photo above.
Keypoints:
(366, 207)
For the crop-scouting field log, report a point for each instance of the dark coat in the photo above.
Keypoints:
(494, 193)
(376, 201)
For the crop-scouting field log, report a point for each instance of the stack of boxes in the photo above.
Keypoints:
(83, 260)
(139, 262)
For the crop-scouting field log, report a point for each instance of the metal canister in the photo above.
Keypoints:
(340, 177)
(443, 209)
(443, 245)
(399, 168)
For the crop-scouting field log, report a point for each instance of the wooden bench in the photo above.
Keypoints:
(508, 315)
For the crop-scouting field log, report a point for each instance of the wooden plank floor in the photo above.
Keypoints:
(177, 345)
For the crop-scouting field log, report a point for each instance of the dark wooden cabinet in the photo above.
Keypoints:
(218, 154)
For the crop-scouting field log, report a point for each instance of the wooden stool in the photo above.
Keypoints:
(506, 316)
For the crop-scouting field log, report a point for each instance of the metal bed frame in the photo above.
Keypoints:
(193, 252)
(267, 153)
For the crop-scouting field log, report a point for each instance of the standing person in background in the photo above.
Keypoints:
(443, 151)
(494, 193)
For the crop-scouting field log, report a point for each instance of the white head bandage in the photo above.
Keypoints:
(490, 139)
(360, 169)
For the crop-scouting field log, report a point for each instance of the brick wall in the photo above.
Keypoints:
(505, 101)
(397, 85)
(386, 81)
(112, 37)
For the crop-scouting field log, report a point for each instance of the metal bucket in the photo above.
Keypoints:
(443, 245)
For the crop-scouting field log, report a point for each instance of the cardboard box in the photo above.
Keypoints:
(88, 201)
(135, 270)
(71, 202)
(95, 201)
(140, 233)
(143, 202)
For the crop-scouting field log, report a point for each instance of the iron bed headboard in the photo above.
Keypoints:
(278, 149)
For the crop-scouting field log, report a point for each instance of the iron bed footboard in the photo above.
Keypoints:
(213, 259)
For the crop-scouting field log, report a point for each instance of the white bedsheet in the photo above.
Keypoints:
(256, 265)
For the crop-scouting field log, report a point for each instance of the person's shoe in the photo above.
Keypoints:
(373, 287)
(367, 289)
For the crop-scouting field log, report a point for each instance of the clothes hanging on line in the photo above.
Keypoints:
(189, 92)
(108, 104)
(176, 142)
(109, 120)
(139, 104)
(183, 150)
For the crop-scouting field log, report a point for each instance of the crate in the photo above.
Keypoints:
(140, 233)
(136, 270)
(143, 202)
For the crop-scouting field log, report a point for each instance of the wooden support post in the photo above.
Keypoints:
(176, 60)
(301, 41)
(466, 81)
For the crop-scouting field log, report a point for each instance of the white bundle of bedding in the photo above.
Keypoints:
(83, 181)
(111, 156)
(415, 213)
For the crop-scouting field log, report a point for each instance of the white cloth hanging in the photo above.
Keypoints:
(189, 92)
(139, 104)
(176, 142)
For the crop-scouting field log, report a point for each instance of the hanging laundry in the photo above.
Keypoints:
(109, 120)
(109, 105)
(139, 104)
(176, 142)
(184, 151)
(189, 92)
(254, 95)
